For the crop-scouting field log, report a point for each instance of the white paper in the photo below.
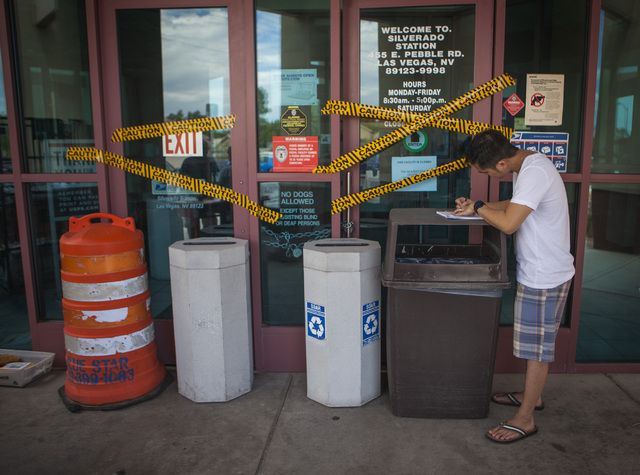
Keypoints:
(450, 215)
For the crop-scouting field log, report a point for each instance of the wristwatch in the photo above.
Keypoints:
(477, 205)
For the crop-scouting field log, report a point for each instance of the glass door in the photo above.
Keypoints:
(166, 64)
(294, 80)
(45, 109)
(413, 57)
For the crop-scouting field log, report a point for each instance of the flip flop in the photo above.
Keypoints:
(522, 434)
(512, 401)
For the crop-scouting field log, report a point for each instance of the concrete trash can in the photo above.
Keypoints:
(342, 302)
(210, 289)
(445, 279)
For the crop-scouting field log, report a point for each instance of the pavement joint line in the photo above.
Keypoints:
(629, 395)
(267, 444)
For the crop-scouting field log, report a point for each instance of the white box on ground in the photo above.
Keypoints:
(210, 290)
(342, 321)
(19, 374)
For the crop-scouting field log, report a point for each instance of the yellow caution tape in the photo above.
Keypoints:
(173, 178)
(470, 127)
(384, 113)
(370, 149)
(351, 158)
(370, 112)
(475, 95)
(173, 128)
(355, 199)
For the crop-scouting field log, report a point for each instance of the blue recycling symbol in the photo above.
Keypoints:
(371, 324)
(316, 327)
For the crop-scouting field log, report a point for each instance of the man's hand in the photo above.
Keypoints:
(464, 207)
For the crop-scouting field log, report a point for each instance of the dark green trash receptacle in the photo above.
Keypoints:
(445, 279)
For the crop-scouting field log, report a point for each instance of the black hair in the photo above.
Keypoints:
(489, 147)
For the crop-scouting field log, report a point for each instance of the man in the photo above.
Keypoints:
(538, 215)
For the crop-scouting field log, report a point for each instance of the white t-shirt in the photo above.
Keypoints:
(542, 242)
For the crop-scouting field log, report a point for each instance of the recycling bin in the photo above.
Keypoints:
(342, 325)
(210, 291)
(444, 280)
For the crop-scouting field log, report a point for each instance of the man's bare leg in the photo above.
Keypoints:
(535, 379)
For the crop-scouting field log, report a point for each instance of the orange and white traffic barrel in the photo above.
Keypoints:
(109, 335)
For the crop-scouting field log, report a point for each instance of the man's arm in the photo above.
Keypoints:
(508, 218)
(504, 215)
(462, 202)
(499, 205)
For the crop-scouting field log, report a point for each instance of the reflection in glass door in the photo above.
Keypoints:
(163, 65)
(414, 59)
(55, 112)
(14, 322)
(609, 325)
(296, 53)
(293, 83)
(609, 328)
(169, 71)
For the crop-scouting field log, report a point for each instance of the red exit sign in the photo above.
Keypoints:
(182, 145)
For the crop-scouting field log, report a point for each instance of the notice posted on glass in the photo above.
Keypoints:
(411, 63)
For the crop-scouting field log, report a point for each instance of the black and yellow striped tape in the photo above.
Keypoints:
(173, 178)
(384, 113)
(355, 199)
(370, 112)
(365, 151)
(481, 92)
(173, 128)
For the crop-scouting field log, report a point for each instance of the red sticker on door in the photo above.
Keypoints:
(514, 104)
(295, 154)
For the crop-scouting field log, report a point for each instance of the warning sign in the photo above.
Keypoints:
(295, 154)
(545, 96)
(513, 104)
(293, 121)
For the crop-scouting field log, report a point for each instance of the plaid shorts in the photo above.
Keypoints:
(537, 314)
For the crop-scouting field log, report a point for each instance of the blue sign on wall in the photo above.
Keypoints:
(554, 145)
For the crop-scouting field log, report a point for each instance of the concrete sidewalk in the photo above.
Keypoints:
(591, 424)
